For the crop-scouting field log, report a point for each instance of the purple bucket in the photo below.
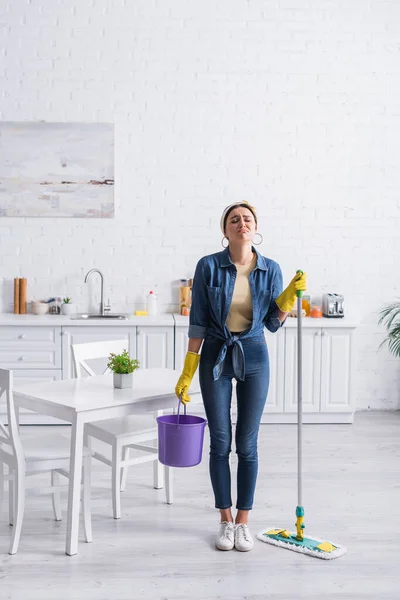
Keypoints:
(180, 439)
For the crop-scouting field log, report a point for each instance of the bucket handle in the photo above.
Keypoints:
(179, 406)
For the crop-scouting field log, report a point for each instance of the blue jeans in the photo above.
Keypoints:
(251, 396)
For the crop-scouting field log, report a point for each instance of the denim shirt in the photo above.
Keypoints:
(212, 291)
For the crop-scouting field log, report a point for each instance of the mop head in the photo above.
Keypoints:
(311, 546)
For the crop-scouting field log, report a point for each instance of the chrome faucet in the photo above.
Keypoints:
(103, 308)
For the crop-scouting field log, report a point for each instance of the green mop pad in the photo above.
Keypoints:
(313, 546)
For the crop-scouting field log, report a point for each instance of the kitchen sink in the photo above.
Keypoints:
(85, 316)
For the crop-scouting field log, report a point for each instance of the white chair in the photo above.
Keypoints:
(121, 433)
(34, 456)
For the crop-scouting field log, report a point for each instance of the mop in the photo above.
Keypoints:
(283, 537)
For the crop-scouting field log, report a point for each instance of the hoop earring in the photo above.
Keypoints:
(222, 242)
(261, 240)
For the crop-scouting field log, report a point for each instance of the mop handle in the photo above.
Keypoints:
(179, 406)
(299, 295)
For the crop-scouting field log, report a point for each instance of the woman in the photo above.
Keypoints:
(236, 293)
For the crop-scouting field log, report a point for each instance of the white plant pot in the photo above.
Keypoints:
(123, 381)
(68, 309)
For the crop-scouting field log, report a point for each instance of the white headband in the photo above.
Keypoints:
(228, 208)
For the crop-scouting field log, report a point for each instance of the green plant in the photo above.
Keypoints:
(122, 363)
(67, 300)
(390, 317)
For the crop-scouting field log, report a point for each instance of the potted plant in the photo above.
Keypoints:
(123, 367)
(390, 317)
(67, 307)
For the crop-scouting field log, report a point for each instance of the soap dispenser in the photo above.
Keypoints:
(151, 304)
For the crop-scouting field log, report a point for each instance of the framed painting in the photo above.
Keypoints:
(56, 169)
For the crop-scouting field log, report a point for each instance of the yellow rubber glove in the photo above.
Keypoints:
(189, 369)
(287, 299)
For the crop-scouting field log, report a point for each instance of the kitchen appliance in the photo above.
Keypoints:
(333, 305)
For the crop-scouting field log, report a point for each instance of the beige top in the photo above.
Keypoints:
(240, 314)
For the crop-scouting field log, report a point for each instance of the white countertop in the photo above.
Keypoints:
(166, 319)
(9, 319)
(291, 322)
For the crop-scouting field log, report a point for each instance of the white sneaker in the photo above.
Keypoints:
(226, 536)
(243, 540)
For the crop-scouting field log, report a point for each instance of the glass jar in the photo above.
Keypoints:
(306, 304)
(316, 308)
(185, 297)
(53, 307)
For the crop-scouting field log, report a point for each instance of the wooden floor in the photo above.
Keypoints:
(160, 552)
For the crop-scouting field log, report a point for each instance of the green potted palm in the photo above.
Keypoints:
(123, 367)
(390, 317)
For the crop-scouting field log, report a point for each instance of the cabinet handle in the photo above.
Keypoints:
(21, 358)
(317, 333)
(323, 333)
(22, 336)
(139, 331)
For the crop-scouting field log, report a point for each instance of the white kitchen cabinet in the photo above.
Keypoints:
(23, 336)
(30, 347)
(82, 334)
(155, 347)
(327, 367)
(337, 358)
(36, 350)
(30, 359)
(311, 370)
(34, 355)
(276, 352)
(181, 346)
(152, 345)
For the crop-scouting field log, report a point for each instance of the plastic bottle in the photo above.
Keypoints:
(151, 304)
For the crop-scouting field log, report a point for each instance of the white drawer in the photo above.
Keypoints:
(23, 336)
(25, 358)
(30, 347)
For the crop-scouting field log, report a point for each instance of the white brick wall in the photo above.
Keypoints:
(291, 104)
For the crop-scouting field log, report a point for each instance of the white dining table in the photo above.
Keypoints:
(86, 400)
